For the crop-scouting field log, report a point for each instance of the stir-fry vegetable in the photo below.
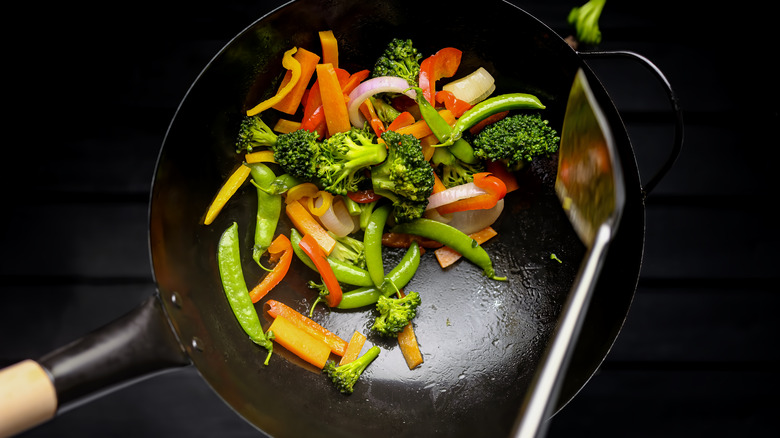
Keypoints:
(405, 154)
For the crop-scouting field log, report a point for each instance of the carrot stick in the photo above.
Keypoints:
(227, 190)
(306, 224)
(290, 103)
(354, 347)
(438, 186)
(333, 104)
(281, 247)
(407, 342)
(447, 256)
(298, 342)
(330, 48)
(276, 309)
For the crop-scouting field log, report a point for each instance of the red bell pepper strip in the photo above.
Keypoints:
(279, 245)
(363, 196)
(368, 111)
(404, 119)
(498, 169)
(442, 64)
(452, 103)
(495, 188)
(317, 256)
(474, 130)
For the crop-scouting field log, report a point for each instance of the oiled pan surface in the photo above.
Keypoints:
(480, 338)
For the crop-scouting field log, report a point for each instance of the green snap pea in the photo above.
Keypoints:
(344, 272)
(452, 237)
(443, 131)
(372, 242)
(360, 297)
(488, 107)
(232, 277)
(269, 207)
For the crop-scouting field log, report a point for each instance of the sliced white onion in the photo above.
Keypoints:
(472, 88)
(471, 221)
(370, 87)
(435, 215)
(456, 193)
(337, 219)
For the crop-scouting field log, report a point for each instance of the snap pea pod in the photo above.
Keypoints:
(488, 107)
(344, 272)
(269, 207)
(372, 242)
(452, 237)
(443, 131)
(232, 277)
(397, 278)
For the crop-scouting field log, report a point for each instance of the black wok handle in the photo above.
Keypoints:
(137, 345)
(671, 95)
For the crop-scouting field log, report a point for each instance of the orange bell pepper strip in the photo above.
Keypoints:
(499, 170)
(368, 111)
(284, 126)
(438, 186)
(404, 119)
(333, 104)
(289, 104)
(290, 63)
(282, 248)
(305, 222)
(447, 256)
(420, 128)
(495, 188)
(442, 64)
(330, 48)
(354, 347)
(353, 81)
(452, 103)
(410, 349)
(276, 309)
(298, 342)
(319, 258)
(228, 189)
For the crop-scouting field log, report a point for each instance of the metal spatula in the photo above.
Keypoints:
(592, 193)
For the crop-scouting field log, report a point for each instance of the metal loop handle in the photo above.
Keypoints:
(679, 130)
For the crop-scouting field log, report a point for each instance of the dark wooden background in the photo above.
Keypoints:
(93, 88)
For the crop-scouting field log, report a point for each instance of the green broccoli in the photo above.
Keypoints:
(254, 133)
(405, 177)
(348, 250)
(585, 20)
(344, 157)
(395, 313)
(296, 152)
(345, 376)
(385, 111)
(453, 171)
(400, 59)
(516, 139)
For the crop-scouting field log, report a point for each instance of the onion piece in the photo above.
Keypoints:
(471, 221)
(456, 193)
(337, 219)
(370, 87)
(472, 88)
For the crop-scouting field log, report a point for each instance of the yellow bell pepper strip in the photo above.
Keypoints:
(330, 48)
(319, 258)
(495, 188)
(442, 64)
(227, 190)
(260, 157)
(282, 248)
(284, 126)
(290, 63)
(333, 104)
(354, 347)
(299, 343)
(327, 201)
(300, 191)
(276, 309)
(446, 256)
(289, 104)
(306, 224)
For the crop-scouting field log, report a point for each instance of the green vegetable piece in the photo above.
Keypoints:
(401, 59)
(254, 133)
(269, 208)
(585, 20)
(345, 272)
(232, 277)
(516, 140)
(345, 376)
(395, 313)
(372, 241)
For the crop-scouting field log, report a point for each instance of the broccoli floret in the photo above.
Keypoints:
(254, 133)
(345, 376)
(405, 177)
(585, 20)
(296, 152)
(348, 250)
(385, 111)
(395, 313)
(343, 158)
(401, 59)
(453, 171)
(516, 139)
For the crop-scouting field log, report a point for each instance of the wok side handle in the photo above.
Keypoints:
(671, 95)
(139, 344)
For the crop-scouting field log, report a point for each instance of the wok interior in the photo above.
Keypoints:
(480, 338)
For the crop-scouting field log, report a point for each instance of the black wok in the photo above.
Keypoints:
(480, 339)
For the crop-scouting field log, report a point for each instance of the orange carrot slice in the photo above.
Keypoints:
(278, 309)
(333, 104)
(407, 342)
(354, 347)
(300, 343)
(306, 224)
(330, 48)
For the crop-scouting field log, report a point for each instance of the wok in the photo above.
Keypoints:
(480, 339)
